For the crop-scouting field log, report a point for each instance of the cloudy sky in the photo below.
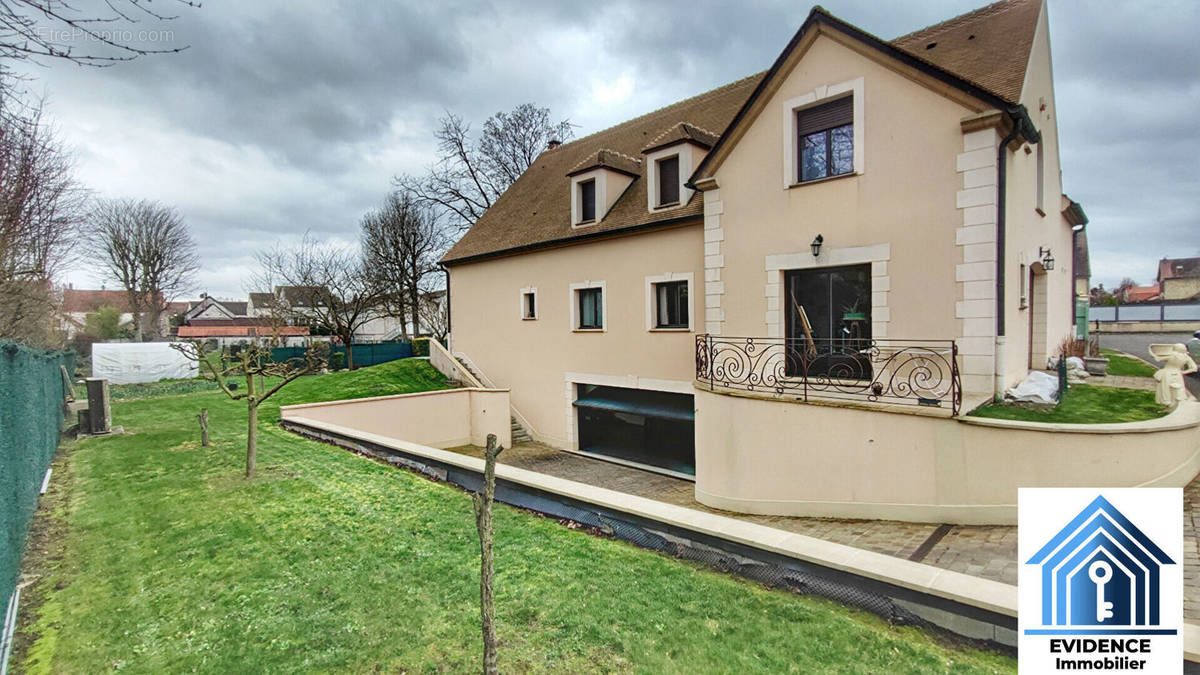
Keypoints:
(287, 116)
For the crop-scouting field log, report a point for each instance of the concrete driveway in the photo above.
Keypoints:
(1138, 344)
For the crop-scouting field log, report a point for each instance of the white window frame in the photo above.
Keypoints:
(537, 306)
(689, 156)
(652, 301)
(791, 141)
(573, 299)
(577, 203)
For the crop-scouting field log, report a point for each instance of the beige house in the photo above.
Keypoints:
(806, 272)
(1179, 278)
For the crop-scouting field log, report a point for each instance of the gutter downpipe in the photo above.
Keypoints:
(1022, 125)
(449, 326)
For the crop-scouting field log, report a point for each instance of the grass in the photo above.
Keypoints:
(1120, 364)
(154, 555)
(1083, 404)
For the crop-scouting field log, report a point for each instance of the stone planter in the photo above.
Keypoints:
(1095, 365)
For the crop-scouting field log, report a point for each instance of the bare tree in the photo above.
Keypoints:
(402, 242)
(255, 365)
(483, 525)
(41, 206)
(327, 283)
(33, 29)
(147, 249)
(470, 175)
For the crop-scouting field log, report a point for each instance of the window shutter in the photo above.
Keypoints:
(826, 116)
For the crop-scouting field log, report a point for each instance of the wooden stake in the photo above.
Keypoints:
(483, 523)
(203, 417)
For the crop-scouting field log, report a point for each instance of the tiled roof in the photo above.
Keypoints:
(683, 132)
(537, 207)
(988, 47)
(1178, 268)
(261, 299)
(78, 300)
(237, 331)
(610, 159)
(1083, 264)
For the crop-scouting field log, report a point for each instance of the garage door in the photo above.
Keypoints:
(655, 429)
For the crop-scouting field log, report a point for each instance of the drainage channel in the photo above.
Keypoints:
(963, 623)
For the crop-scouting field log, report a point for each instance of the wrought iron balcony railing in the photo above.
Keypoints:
(900, 372)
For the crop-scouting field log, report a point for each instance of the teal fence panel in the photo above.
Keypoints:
(365, 354)
(31, 415)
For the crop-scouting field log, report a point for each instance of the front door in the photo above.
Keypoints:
(828, 321)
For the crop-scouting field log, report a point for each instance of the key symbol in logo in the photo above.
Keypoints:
(1100, 573)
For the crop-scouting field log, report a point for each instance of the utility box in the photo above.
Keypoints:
(99, 417)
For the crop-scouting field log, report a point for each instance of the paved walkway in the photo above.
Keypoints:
(1123, 381)
(988, 551)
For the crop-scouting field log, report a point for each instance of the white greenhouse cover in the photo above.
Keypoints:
(130, 362)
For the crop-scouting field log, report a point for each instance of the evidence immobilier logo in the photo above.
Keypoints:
(1100, 580)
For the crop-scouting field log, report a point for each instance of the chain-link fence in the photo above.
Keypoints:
(32, 400)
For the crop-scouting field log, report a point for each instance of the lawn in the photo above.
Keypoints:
(1083, 404)
(1120, 364)
(153, 554)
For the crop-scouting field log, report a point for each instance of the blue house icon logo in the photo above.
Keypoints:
(1100, 575)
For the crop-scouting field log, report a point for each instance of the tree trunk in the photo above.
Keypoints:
(203, 417)
(414, 297)
(252, 426)
(348, 340)
(483, 523)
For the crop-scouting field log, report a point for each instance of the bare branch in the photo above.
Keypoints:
(470, 176)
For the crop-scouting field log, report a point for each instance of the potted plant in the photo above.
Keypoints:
(851, 312)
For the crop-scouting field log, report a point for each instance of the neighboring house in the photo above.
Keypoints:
(237, 322)
(1179, 278)
(245, 330)
(211, 308)
(868, 223)
(78, 303)
(1135, 294)
(296, 304)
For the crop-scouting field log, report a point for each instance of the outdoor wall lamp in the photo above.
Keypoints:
(816, 245)
(1047, 259)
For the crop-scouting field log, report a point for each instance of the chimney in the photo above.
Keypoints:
(554, 143)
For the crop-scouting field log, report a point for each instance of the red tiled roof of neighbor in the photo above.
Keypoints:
(1141, 293)
(79, 300)
(238, 331)
(987, 49)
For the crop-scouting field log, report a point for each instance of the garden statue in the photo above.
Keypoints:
(1176, 363)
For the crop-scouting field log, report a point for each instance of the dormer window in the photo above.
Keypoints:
(671, 157)
(668, 181)
(587, 201)
(596, 184)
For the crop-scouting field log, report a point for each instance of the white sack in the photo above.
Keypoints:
(130, 362)
(1039, 387)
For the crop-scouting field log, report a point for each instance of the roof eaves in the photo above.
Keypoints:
(573, 239)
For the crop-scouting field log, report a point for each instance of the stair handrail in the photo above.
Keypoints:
(464, 375)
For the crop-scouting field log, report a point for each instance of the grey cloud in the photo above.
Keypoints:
(288, 116)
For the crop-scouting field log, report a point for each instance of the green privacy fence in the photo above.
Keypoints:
(365, 354)
(31, 415)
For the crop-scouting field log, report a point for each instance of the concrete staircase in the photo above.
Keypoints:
(519, 433)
